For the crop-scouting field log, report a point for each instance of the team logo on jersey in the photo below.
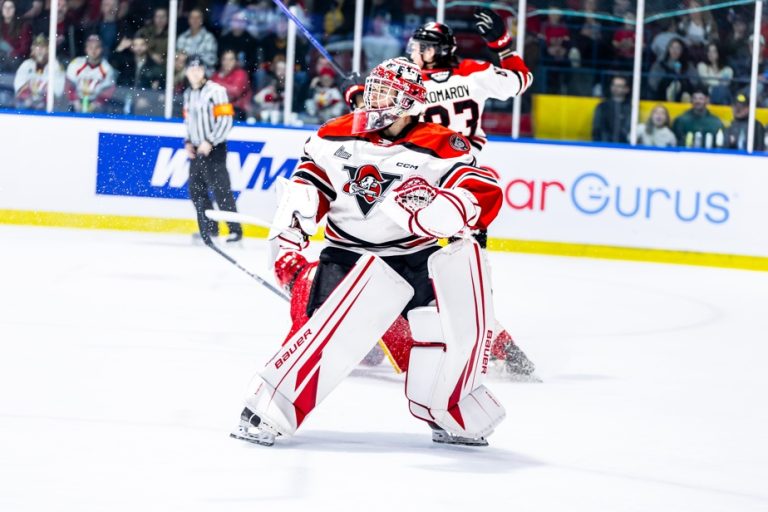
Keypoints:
(441, 76)
(458, 142)
(368, 185)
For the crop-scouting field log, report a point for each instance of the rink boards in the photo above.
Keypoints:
(657, 205)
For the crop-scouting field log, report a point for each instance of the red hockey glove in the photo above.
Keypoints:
(352, 88)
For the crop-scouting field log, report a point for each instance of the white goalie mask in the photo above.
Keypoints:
(394, 89)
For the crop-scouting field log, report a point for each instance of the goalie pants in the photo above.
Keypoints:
(335, 263)
(208, 174)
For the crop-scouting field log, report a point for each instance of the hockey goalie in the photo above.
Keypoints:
(388, 187)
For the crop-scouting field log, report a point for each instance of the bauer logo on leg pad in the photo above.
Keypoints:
(288, 351)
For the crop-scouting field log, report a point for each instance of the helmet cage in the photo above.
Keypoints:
(388, 96)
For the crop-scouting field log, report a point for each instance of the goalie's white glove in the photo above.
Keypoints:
(294, 220)
(425, 210)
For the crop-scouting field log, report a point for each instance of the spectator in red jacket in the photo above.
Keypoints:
(15, 37)
(235, 81)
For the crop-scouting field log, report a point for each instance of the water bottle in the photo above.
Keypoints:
(708, 140)
(697, 140)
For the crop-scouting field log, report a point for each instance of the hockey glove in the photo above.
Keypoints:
(352, 88)
(491, 27)
(424, 210)
(294, 219)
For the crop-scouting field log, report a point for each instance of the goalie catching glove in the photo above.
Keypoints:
(425, 210)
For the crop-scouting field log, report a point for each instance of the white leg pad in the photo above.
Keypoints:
(449, 360)
(476, 415)
(329, 346)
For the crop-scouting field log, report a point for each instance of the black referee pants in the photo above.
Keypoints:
(208, 174)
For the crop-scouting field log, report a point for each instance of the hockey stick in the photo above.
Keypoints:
(266, 284)
(269, 286)
(320, 48)
(237, 217)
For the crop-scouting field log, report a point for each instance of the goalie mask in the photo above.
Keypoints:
(394, 89)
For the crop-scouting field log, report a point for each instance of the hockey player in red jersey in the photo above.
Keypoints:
(388, 187)
(456, 96)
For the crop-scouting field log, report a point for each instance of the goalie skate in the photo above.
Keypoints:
(441, 436)
(253, 430)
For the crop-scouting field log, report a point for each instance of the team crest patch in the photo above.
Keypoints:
(458, 142)
(368, 185)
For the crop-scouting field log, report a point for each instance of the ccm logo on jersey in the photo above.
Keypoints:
(296, 344)
(406, 165)
(367, 184)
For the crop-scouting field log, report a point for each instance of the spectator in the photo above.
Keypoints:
(197, 40)
(338, 20)
(68, 31)
(239, 41)
(611, 121)
(697, 127)
(716, 77)
(673, 77)
(378, 43)
(156, 35)
(141, 77)
(325, 101)
(736, 134)
(15, 37)
(269, 99)
(30, 84)
(276, 42)
(558, 54)
(92, 79)
(28, 10)
(260, 16)
(110, 29)
(179, 73)
(655, 131)
(179, 82)
(590, 38)
(624, 44)
(235, 81)
(661, 41)
(736, 51)
(698, 28)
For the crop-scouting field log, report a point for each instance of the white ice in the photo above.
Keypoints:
(124, 358)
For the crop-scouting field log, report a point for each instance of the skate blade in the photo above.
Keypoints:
(251, 439)
(460, 441)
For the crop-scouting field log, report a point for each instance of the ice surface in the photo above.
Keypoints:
(124, 359)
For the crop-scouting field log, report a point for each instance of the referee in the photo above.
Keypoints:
(208, 120)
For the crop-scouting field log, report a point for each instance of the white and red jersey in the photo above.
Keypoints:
(354, 172)
(456, 96)
(94, 81)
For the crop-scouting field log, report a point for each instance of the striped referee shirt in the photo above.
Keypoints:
(207, 114)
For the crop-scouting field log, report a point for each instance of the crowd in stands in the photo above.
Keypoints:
(111, 54)
(111, 57)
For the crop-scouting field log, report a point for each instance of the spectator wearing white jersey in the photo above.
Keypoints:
(91, 79)
(30, 84)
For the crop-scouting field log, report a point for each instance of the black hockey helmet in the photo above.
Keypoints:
(438, 35)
